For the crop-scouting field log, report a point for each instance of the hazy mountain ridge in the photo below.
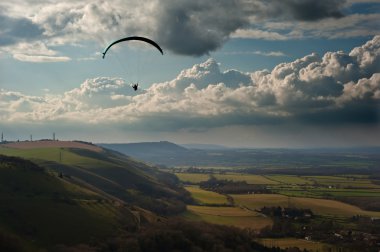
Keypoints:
(256, 159)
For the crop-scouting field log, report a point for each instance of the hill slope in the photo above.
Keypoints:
(50, 210)
(111, 173)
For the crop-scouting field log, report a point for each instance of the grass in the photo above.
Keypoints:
(230, 216)
(35, 204)
(318, 206)
(284, 243)
(59, 155)
(206, 197)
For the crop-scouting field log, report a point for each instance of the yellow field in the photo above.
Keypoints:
(249, 178)
(293, 242)
(206, 197)
(318, 206)
(194, 178)
(231, 216)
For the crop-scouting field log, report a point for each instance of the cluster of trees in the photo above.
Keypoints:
(180, 235)
(231, 187)
(287, 212)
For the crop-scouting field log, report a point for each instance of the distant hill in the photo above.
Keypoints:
(257, 160)
(146, 147)
(151, 152)
(205, 146)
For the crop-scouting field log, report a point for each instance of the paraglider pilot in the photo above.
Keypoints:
(135, 86)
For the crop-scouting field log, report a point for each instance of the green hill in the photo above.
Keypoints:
(112, 174)
(90, 199)
(41, 209)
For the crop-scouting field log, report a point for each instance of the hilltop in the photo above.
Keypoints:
(52, 144)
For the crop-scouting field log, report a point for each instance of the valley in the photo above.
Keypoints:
(74, 196)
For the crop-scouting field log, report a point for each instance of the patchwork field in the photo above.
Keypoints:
(318, 206)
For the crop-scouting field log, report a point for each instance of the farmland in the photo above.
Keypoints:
(231, 216)
(204, 197)
(318, 206)
(335, 201)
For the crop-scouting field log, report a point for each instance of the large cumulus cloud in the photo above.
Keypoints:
(182, 27)
(333, 88)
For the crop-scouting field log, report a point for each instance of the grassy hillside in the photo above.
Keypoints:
(41, 209)
(112, 174)
(45, 210)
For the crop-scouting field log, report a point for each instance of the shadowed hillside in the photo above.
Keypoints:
(42, 209)
(111, 173)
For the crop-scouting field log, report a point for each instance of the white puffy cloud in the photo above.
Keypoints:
(313, 88)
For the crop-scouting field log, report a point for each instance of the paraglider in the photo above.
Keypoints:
(143, 39)
(149, 41)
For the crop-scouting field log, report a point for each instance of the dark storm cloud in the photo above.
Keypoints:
(198, 27)
(13, 30)
(309, 10)
(301, 10)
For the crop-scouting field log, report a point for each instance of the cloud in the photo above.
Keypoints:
(268, 54)
(16, 29)
(35, 52)
(336, 88)
(40, 58)
(308, 10)
(197, 27)
(183, 27)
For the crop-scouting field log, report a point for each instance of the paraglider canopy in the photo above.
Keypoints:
(149, 41)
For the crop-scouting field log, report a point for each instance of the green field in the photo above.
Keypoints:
(318, 206)
(204, 197)
(231, 216)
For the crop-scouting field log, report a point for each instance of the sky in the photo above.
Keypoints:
(239, 73)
